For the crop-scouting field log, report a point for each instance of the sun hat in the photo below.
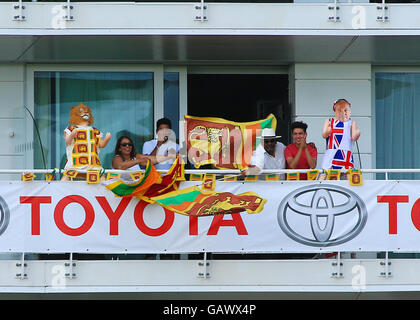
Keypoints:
(268, 133)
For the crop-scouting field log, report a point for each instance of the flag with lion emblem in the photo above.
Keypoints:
(223, 143)
(194, 201)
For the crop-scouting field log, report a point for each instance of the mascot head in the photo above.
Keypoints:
(80, 114)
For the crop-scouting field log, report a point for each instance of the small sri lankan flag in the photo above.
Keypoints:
(251, 178)
(272, 177)
(355, 178)
(113, 175)
(312, 174)
(209, 182)
(292, 176)
(136, 175)
(333, 174)
(196, 177)
(27, 176)
(92, 177)
(71, 173)
(230, 178)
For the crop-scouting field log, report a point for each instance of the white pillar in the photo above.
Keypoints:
(12, 125)
(314, 88)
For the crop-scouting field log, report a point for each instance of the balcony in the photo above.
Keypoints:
(67, 245)
(186, 32)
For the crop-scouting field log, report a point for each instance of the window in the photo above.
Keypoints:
(171, 99)
(122, 103)
(397, 116)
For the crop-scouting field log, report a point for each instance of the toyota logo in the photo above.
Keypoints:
(4, 215)
(322, 215)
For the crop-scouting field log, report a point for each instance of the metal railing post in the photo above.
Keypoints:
(68, 7)
(335, 8)
(383, 8)
(203, 265)
(200, 11)
(386, 263)
(21, 273)
(20, 7)
(337, 267)
(70, 265)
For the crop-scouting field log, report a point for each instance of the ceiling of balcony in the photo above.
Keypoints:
(176, 49)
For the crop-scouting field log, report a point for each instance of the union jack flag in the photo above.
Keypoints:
(343, 159)
(336, 135)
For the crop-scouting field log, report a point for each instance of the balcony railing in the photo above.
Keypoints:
(370, 174)
(227, 1)
(273, 191)
(357, 17)
(249, 270)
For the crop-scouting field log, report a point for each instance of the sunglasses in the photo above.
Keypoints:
(126, 144)
(269, 140)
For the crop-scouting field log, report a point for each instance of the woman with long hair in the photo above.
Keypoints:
(126, 157)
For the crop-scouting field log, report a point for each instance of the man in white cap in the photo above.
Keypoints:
(268, 155)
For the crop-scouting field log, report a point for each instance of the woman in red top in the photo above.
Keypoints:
(299, 154)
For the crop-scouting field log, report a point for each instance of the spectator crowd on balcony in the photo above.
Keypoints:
(339, 133)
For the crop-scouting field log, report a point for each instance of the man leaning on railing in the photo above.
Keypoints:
(268, 155)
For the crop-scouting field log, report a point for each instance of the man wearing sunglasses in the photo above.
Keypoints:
(268, 155)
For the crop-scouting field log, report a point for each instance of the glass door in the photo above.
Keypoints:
(123, 103)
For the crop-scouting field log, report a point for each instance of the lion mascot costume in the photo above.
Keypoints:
(83, 141)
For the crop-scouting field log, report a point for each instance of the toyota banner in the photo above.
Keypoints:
(298, 216)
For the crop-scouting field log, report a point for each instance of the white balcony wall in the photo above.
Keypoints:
(220, 18)
(358, 279)
(12, 112)
(317, 86)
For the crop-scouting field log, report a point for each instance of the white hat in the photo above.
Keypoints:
(268, 133)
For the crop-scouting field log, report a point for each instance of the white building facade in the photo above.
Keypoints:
(146, 60)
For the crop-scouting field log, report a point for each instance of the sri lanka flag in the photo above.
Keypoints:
(137, 188)
(336, 135)
(169, 182)
(223, 143)
(194, 201)
(343, 159)
(151, 183)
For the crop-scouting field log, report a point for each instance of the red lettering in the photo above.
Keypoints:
(138, 219)
(113, 216)
(392, 201)
(193, 226)
(35, 211)
(236, 222)
(415, 214)
(59, 218)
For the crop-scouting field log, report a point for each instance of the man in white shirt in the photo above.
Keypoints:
(268, 155)
(164, 144)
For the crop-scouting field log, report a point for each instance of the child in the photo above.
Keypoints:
(339, 132)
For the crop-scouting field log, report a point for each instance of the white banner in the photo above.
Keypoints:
(299, 216)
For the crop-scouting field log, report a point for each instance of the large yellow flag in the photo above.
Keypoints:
(223, 143)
